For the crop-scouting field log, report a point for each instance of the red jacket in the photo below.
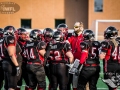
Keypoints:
(75, 45)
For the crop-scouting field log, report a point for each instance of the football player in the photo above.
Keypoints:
(60, 55)
(22, 34)
(1, 70)
(109, 53)
(35, 51)
(11, 58)
(48, 36)
(90, 60)
(64, 29)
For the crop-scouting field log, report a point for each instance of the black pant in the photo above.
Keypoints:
(9, 74)
(36, 75)
(59, 76)
(1, 75)
(70, 79)
(24, 75)
(88, 74)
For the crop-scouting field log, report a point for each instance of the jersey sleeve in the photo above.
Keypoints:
(41, 45)
(104, 46)
(84, 46)
(10, 41)
(84, 52)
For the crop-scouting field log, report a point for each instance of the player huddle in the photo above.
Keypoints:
(64, 58)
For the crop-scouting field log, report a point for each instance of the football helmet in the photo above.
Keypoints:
(64, 28)
(1, 32)
(88, 35)
(118, 39)
(9, 30)
(22, 34)
(58, 36)
(110, 32)
(36, 34)
(48, 34)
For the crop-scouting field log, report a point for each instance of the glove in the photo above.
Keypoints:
(17, 70)
(78, 70)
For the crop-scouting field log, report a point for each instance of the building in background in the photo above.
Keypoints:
(49, 13)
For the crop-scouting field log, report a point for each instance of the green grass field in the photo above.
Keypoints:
(100, 84)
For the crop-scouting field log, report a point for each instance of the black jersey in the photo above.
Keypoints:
(32, 49)
(93, 51)
(11, 41)
(58, 52)
(112, 51)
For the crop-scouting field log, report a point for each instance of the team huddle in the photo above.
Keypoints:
(68, 60)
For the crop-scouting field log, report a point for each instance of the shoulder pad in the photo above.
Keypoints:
(96, 43)
(84, 45)
(105, 44)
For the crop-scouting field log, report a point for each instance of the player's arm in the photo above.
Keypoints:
(11, 48)
(41, 47)
(84, 52)
(69, 53)
(12, 53)
(104, 51)
(70, 56)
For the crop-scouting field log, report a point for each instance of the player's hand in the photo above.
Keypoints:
(17, 70)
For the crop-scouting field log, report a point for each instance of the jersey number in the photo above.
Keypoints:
(55, 55)
(93, 52)
(116, 54)
(29, 54)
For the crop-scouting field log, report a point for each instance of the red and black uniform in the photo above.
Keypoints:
(8, 66)
(58, 68)
(1, 69)
(24, 75)
(111, 63)
(90, 60)
(36, 72)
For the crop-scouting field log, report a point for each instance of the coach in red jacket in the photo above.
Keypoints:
(75, 41)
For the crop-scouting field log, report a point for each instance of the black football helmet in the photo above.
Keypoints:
(64, 28)
(36, 34)
(22, 33)
(58, 36)
(118, 39)
(48, 34)
(1, 32)
(110, 32)
(88, 34)
(9, 30)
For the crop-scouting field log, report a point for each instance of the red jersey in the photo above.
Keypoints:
(75, 45)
